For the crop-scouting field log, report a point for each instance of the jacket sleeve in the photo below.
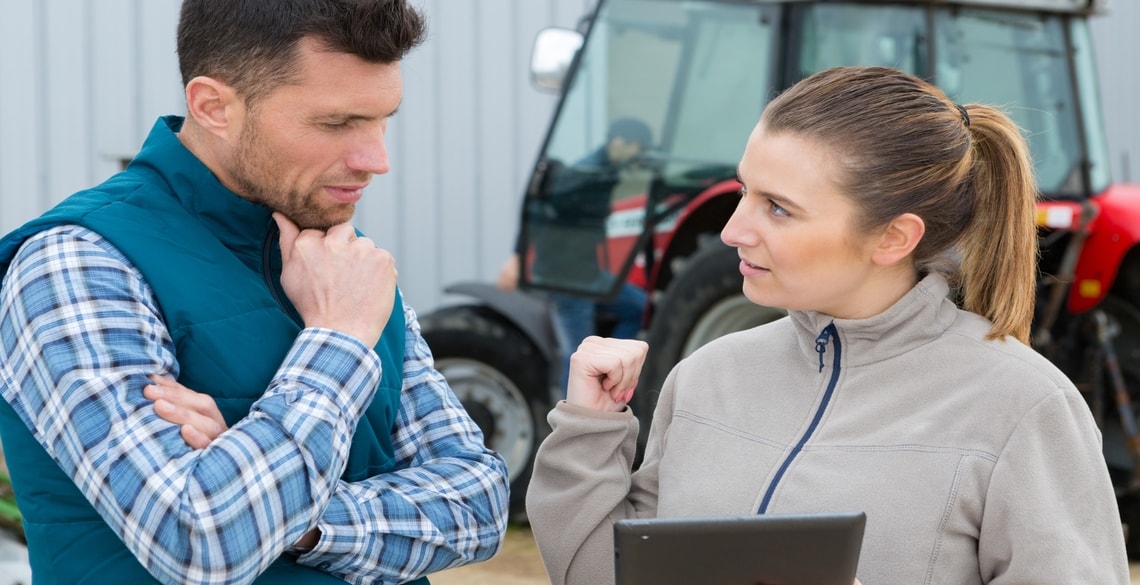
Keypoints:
(447, 504)
(583, 484)
(1050, 513)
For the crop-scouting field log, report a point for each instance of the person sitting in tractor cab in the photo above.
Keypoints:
(571, 247)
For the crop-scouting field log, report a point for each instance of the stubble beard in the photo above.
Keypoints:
(253, 170)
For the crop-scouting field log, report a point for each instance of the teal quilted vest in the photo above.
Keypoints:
(211, 259)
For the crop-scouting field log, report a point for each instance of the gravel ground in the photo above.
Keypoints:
(516, 564)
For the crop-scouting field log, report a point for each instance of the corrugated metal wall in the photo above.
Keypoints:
(82, 81)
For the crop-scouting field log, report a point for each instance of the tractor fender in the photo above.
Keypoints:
(677, 235)
(1114, 231)
(528, 312)
(677, 223)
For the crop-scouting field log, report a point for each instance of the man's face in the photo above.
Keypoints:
(620, 151)
(308, 149)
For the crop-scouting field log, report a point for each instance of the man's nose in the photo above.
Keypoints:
(370, 154)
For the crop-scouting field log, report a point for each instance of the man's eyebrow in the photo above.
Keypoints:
(349, 116)
(340, 117)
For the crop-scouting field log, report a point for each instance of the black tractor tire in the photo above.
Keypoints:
(703, 301)
(502, 380)
(1126, 345)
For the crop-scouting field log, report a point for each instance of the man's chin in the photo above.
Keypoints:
(307, 220)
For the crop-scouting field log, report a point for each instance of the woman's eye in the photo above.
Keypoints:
(776, 209)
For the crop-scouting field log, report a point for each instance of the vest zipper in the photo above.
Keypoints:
(274, 284)
(829, 333)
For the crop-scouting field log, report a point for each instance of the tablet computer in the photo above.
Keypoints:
(767, 549)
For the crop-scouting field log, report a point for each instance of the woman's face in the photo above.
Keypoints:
(795, 231)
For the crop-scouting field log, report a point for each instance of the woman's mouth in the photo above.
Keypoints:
(749, 269)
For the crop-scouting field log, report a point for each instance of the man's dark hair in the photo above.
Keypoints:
(251, 45)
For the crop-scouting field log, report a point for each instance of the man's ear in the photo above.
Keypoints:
(213, 105)
(898, 239)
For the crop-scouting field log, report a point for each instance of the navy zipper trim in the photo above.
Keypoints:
(828, 333)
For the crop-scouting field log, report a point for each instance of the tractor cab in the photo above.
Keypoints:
(698, 74)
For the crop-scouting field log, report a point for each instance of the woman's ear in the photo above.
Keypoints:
(898, 239)
(212, 104)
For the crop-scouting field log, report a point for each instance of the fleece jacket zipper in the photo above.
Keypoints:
(829, 333)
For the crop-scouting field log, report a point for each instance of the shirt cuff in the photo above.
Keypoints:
(332, 363)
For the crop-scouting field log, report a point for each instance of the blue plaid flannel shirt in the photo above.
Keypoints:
(77, 321)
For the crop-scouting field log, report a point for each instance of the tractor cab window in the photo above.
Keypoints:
(1096, 142)
(660, 106)
(838, 35)
(1019, 62)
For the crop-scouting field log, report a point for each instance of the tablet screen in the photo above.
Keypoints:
(769, 549)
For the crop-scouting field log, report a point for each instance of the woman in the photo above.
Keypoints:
(866, 193)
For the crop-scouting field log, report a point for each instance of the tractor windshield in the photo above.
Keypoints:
(662, 102)
(1018, 61)
(1021, 62)
(666, 92)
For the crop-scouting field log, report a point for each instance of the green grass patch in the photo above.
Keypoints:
(9, 514)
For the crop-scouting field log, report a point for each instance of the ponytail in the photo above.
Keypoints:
(999, 249)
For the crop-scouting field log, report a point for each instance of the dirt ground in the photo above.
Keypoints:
(518, 564)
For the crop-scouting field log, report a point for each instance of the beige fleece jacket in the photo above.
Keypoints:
(975, 461)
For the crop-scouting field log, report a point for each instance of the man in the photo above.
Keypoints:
(569, 242)
(324, 447)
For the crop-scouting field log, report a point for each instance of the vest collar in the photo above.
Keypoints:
(241, 225)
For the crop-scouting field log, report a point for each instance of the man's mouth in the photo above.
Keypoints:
(346, 193)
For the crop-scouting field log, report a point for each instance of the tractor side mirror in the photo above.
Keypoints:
(553, 53)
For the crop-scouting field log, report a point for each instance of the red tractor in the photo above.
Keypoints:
(698, 73)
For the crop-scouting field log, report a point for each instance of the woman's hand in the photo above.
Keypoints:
(604, 372)
(197, 413)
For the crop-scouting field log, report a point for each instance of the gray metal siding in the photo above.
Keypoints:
(82, 81)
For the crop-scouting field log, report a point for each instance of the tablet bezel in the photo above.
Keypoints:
(771, 549)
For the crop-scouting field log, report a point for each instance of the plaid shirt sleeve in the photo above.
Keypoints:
(79, 333)
(446, 507)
